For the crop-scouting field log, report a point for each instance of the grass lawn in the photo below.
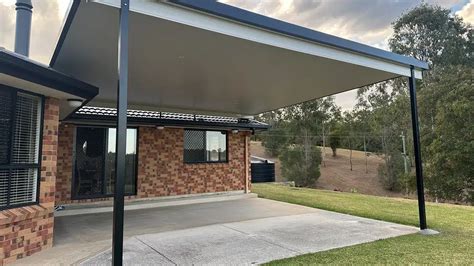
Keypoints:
(454, 245)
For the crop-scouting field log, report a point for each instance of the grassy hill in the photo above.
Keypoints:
(336, 172)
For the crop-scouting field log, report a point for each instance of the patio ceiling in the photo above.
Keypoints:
(207, 57)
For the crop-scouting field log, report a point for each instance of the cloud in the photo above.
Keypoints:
(366, 21)
(467, 12)
(7, 25)
(45, 27)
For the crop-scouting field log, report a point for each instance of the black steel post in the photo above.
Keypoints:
(121, 144)
(416, 142)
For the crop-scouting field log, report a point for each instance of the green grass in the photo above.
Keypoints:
(454, 245)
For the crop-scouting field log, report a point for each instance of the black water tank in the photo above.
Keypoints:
(263, 171)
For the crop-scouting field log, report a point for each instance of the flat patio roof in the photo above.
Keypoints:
(208, 57)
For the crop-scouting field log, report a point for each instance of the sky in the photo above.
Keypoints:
(365, 21)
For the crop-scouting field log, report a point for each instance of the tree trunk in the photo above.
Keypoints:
(323, 160)
(365, 152)
(350, 154)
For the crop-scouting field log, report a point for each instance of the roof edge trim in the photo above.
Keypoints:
(70, 14)
(24, 68)
(260, 21)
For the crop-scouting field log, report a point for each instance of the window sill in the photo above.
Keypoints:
(22, 213)
(193, 163)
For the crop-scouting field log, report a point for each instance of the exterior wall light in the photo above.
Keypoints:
(75, 103)
(235, 131)
(160, 127)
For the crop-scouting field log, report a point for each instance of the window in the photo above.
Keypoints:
(202, 146)
(20, 132)
(94, 171)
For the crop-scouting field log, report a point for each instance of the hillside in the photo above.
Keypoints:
(336, 173)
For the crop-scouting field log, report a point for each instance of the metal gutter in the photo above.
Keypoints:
(22, 67)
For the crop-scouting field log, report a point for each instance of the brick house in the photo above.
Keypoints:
(188, 59)
(168, 154)
(47, 162)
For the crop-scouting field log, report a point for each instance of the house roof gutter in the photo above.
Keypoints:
(22, 67)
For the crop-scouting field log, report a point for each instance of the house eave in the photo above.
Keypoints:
(24, 69)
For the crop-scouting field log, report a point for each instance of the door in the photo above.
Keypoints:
(89, 164)
(94, 163)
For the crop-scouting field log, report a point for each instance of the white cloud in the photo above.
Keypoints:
(45, 26)
(467, 12)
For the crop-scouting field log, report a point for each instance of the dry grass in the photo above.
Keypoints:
(336, 172)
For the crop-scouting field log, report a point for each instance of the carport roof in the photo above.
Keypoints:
(210, 57)
(230, 12)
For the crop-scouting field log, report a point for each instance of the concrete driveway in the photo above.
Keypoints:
(244, 231)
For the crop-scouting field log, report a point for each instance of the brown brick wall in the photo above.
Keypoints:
(161, 170)
(65, 151)
(26, 230)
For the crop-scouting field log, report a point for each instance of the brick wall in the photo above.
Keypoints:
(27, 230)
(65, 151)
(161, 170)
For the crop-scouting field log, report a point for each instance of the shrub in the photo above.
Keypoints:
(391, 171)
(274, 140)
(301, 165)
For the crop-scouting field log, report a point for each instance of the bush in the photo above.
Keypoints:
(391, 171)
(407, 182)
(274, 141)
(300, 165)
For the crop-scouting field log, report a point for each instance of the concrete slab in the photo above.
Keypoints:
(262, 240)
(80, 236)
(134, 253)
(319, 231)
(215, 245)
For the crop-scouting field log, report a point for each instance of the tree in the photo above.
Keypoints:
(277, 136)
(386, 113)
(391, 171)
(450, 156)
(301, 165)
(335, 140)
(432, 34)
(275, 139)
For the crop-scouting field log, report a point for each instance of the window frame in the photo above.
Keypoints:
(74, 196)
(18, 166)
(209, 162)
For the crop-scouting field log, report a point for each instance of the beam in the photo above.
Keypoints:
(121, 144)
(246, 158)
(416, 142)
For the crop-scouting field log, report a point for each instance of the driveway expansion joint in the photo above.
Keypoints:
(261, 238)
(163, 255)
